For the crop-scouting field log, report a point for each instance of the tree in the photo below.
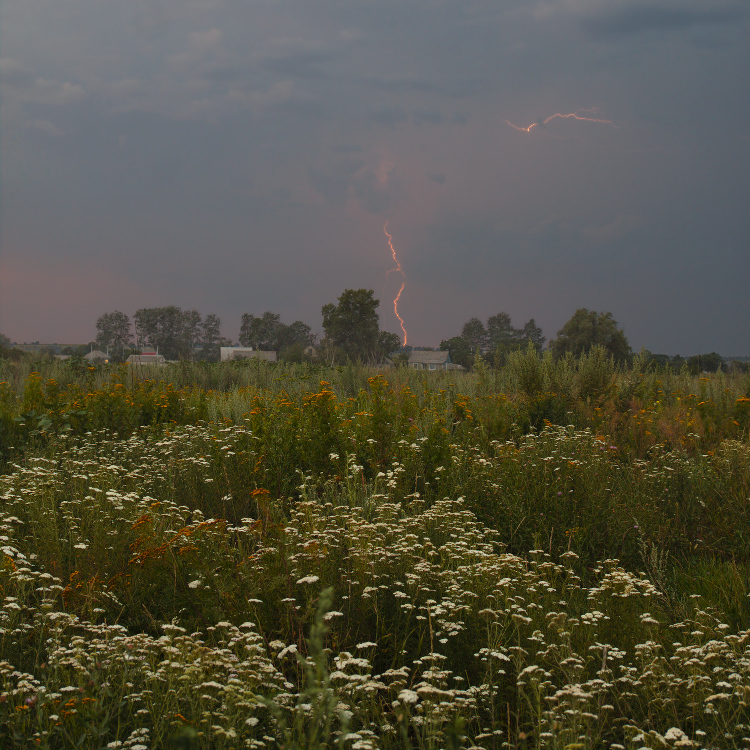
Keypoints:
(588, 328)
(501, 334)
(387, 344)
(5, 342)
(260, 333)
(460, 351)
(192, 329)
(352, 325)
(531, 332)
(475, 334)
(211, 338)
(297, 334)
(700, 363)
(113, 330)
(170, 330)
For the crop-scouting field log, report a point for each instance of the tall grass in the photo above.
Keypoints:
(553, 555)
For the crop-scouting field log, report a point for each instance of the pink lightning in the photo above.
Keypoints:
(403, 283)
(572, 115)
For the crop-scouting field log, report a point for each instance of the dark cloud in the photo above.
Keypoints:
(209, 152)
(638, 19)
(334, 182)
(388, 115)
(421, 117)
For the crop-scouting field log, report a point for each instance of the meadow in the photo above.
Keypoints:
(548, 554)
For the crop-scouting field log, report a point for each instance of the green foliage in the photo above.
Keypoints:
(460, 351)
(352, 324)
(113, 332)
(475, 334)
(372, 607)
(587, 329)
(169, 330)
(705, 363)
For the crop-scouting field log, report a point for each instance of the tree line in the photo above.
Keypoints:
(352, 333)
(185, 334)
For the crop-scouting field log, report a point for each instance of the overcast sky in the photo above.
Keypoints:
(244, 155)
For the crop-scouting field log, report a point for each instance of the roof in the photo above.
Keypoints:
(430, 358)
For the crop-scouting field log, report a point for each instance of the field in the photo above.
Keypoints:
(552, 554)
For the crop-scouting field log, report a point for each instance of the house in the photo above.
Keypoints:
(430, 360)
(149, 358)
(233, 353)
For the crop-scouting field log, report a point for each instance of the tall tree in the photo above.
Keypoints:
(297, 334)
(475, 333)
(170, 330)
(705, 363)
(460, 351)
(113, 331)
(531, 332)
(588, 328)
(260, 332)
(387, 344)
(352, 325)
(192, 328)
(211, 338)
(501, 333)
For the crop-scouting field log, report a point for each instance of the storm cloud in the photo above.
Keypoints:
(242, 157)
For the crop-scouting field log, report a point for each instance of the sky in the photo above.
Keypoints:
(238, 156)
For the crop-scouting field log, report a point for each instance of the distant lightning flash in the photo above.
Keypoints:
(571, 115)
(403, 283)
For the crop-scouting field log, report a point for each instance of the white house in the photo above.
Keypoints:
(230, 353)
(149, 358)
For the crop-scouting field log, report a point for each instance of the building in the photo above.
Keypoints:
(149, 358)
(430, 360)
(233, 353)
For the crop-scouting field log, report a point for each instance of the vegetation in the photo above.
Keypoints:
(552, 554)
(269, 333)
(352, 329)
(587, 329)
(495, 341)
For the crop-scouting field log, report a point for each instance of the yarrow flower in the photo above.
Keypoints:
(308, 579)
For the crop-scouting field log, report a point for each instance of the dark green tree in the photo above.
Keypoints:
(170, 330)
(352, 325)
(460, 351)
(531, 332)
(260, 333)
(388, 343)
(705, 363)
(475, 333)
(501, 333)
(191, 334)
(211, 338)
(588, 328)
(113, 331)
(297, 334)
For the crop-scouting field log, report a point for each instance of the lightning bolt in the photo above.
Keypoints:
(400, 270)
(572, 115)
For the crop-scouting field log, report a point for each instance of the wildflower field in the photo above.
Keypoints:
(552, 554)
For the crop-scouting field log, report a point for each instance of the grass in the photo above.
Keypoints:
(305, 558)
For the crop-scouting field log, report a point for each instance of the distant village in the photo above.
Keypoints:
(419, 359)
(352, 333)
